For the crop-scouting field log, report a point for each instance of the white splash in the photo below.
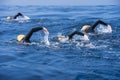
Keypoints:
(22, 18)
(46, 39)
(104, 29)
(26, 17)
(86, 37)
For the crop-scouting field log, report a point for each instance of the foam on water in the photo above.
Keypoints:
(102, 29)
(46, 40)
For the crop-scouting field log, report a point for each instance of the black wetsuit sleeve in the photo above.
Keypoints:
(97, 23)
(28, 36)
(18, 14)
(76, 32)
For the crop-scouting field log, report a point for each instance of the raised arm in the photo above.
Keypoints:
(17, 15)
(28, 36)
(74, 33)
(97, 23)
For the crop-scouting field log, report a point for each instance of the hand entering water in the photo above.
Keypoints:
(46, 36)
(109, 28)
(45, 31)
(86, 37)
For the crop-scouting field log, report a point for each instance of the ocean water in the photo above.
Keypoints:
(97, 59)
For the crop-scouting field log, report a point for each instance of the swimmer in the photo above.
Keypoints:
(70, 36)
(16, 16)
(26, 38)
(90, 29)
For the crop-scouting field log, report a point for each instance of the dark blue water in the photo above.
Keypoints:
(97, 59)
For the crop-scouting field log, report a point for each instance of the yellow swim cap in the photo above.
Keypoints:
(60, 38)
(85, 27)
(20, 37)
(63, 38)
(9, 18)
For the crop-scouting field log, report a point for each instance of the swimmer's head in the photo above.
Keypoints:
(85, 27)
(9, 18)
(63, 38)
(20, 37)
(60, 38)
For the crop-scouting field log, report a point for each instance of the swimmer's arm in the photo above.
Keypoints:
(17, 15)
(28, 36)
(76, 32)
(97, 23)
(86, 37)
(45, 31)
